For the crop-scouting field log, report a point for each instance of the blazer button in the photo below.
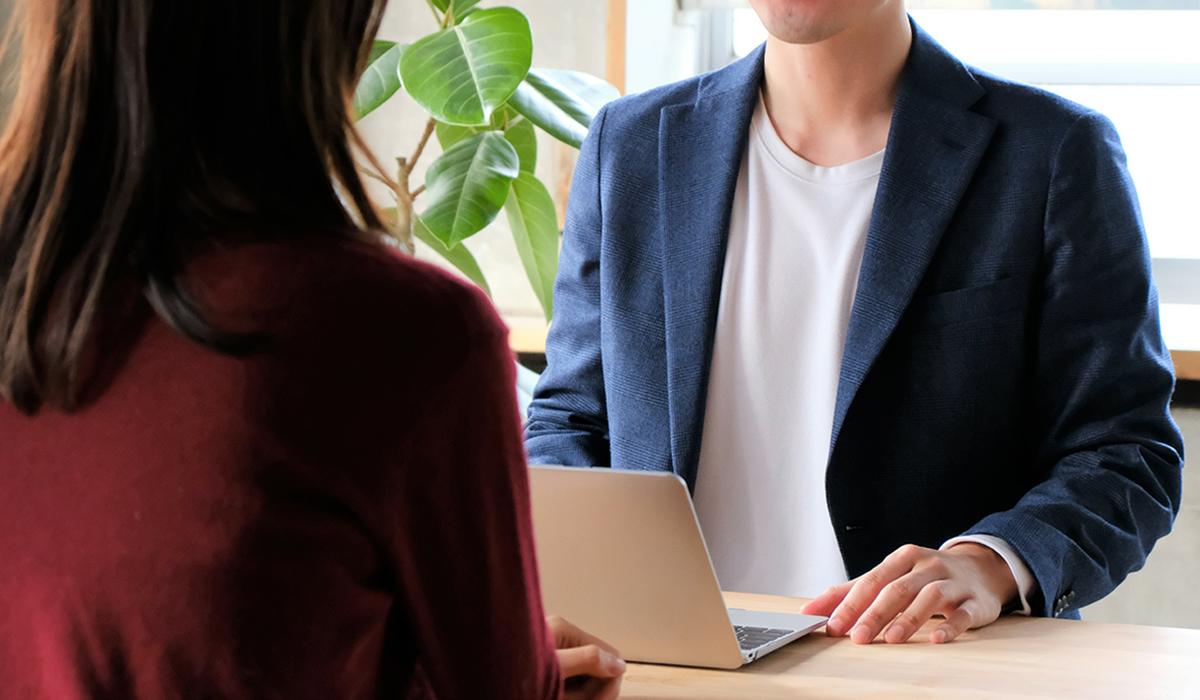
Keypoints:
(1063, 603)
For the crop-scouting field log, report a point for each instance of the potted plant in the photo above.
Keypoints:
(486, 104)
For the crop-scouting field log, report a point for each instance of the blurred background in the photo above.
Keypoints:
(1137, 61)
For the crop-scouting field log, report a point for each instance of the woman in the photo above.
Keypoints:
(245, 451)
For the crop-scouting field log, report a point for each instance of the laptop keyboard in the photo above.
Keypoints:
(754, 637)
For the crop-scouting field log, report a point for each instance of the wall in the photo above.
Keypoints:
(660, 44)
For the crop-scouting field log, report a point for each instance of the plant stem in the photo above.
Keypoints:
(394, 187)
(411, 162)
(403, 231)
(436, 15)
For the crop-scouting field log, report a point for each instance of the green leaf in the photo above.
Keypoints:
(595, 92)
(460, 6)
(457, 9)
(461, 75)
(378, 49)
(523, 137)
(380, 80)
(534, 224)
(458, 256)
(549, 99)
(517, 129)
(467, 186)
(450, 134)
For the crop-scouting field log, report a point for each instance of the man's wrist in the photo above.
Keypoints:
(1021, 576)
(997, 576)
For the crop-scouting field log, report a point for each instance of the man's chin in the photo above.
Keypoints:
(794, 30)
(809, 22)
(805, 35)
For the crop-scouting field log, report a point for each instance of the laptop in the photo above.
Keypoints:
(621, 555)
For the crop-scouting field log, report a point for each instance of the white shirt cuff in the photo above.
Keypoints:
(1020, 572)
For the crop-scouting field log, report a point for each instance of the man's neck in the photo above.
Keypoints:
(831, 102)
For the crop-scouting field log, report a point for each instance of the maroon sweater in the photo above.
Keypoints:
(343, 514)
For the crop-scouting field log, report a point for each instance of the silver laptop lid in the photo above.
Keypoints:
(644, 581)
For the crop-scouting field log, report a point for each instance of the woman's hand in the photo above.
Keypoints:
(592, 668)
(968, 583)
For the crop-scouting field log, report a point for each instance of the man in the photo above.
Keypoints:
(908, 307)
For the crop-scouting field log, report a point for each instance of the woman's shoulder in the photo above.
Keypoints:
(358, 293)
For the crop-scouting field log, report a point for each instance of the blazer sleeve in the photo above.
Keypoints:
(1103, 383)
(568, 422)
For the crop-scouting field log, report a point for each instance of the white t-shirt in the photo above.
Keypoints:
(796, 238)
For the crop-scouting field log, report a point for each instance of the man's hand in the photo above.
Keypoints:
(968, 583)
(592, 668)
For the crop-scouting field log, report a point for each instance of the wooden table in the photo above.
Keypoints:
(1013, 658)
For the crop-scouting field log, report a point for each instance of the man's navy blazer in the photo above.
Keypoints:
(1003, 374)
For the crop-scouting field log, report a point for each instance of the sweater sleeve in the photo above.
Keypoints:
(463, 546)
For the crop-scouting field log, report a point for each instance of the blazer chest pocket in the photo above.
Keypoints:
(972, 303)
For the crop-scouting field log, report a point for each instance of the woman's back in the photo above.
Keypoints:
(341, 513)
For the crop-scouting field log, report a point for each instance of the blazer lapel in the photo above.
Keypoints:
(701, 146)
(933, 149)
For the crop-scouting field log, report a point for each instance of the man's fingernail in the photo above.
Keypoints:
(894, 635)
(835, 626)
(614, 664)
(939, 636)
(860, 634)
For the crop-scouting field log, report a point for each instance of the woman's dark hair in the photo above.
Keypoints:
(144, 129)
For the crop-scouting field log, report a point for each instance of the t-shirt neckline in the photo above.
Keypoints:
(763, 130)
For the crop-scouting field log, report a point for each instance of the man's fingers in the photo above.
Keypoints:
(867, 587)
(892, 600)
(590, 660)
(825, 603)
(933, 598)
(959, 621)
